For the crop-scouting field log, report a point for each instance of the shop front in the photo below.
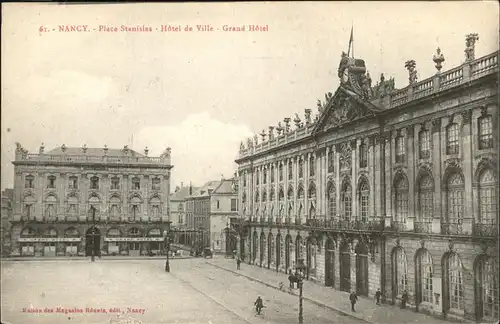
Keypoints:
(49, 245)
(135, 246)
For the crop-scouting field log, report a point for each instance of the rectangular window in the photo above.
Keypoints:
(290, 171)
(364, 207)
(452, 139)
(280, 168)
(331, 162)
(400, 149)
(257, 177)
(29, 182)
(424, 144)
(485, 132)
(272, 174)
(94, 183)
(363, 156)
(115, 183)
(264, 178)
(312, 166)
(136, 184)
(155, 184)
(51, 184)
(427, 284)
(244, 179)
(301, 169)
(234, 204)
(73, 183)
(28, 210)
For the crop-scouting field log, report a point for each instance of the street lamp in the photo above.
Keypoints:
(299, 268)
(166, 235)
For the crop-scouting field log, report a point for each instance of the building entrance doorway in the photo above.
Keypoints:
(93, 242)
(134, 249)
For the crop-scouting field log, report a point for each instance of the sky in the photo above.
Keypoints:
(202, 93)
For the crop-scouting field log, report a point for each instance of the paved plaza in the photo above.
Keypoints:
(139, 291)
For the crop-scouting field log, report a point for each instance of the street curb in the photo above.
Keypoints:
(294, 294)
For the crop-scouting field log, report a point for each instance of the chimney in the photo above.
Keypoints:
(190, 189)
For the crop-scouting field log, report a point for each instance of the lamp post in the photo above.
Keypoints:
(300, 267)
(92, 257)
(166, 235)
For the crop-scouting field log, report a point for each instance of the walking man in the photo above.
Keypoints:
(378, 294)
(238, 262)
(354, 298)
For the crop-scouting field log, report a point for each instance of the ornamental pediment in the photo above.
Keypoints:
(344, 108)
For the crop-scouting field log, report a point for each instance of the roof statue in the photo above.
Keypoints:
(166, 153)
(351, 72)
(438, 58)
(470, 46)
(412, 71)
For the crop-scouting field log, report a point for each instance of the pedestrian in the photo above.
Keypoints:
(238, 262)
(404, 299)
(258, 305)
(353, 298)
(378, 294)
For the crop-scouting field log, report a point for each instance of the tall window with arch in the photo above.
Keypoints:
(272, 174)
(401, 193)
(400, 149)
(244, 180)
(72, 207)
(290, 170)
(257, 177)
(312, 165)
(424, 143)
(455, 195)
(135, 209)
(487, 198)
(50, 208)
(489, 286)
(257, 198)
(426, 198)
(51, 182)
(280, 171)
(271, 195)
(364, 199)
(73, 182)
(363, 155)
(426, 276)
(29, 182)
(485, 130)
(301, 168)
(452, 139)
(456, 280)
(346, 199)
(332, 201)
(264, 176)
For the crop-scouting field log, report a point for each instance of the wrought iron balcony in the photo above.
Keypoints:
(452, 228)
(490, 230)
(398, 226)
(422, 227)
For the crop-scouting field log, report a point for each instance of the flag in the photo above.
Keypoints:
(350, 42)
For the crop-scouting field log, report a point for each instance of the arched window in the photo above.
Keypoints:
(346, 198)
(332, 201)
(485, 132)
(135, 209)
(401, 193)
(301, 168)
(290, 170)
(155, 211)
(72, 206)
(456, 288)
(280, 171)
(402, 268)
(426, 272)
(364, 199)
(257, 177)
(271, 195)
(487, 198)
(272, 173)
(426, 198)
(400, 149)
(134, 232)
(455, 195)
(489, 284)
(312, 166)
(264, 176)
(50, 207)
(452, 139)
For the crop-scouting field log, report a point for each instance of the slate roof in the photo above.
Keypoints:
(203, 191)
(182, 194)
(225, 187)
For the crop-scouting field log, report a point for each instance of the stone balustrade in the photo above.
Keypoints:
(104, 159)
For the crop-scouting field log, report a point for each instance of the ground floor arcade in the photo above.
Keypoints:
(454, 278)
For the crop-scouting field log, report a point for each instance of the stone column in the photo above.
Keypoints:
(436, 153)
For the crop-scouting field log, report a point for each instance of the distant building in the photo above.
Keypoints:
(6, 217)
(384, 187)
(77, 201)
(209, 210)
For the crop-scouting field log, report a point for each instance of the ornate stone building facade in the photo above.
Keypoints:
(69, 200)
(386, 188)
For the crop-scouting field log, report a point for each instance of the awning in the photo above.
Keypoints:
(49, 239)
(134, 239)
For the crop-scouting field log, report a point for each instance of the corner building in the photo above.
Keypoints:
(386, 188)
(70, 201)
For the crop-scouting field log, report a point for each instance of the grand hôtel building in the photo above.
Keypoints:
(68, 200)
(386, 188)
